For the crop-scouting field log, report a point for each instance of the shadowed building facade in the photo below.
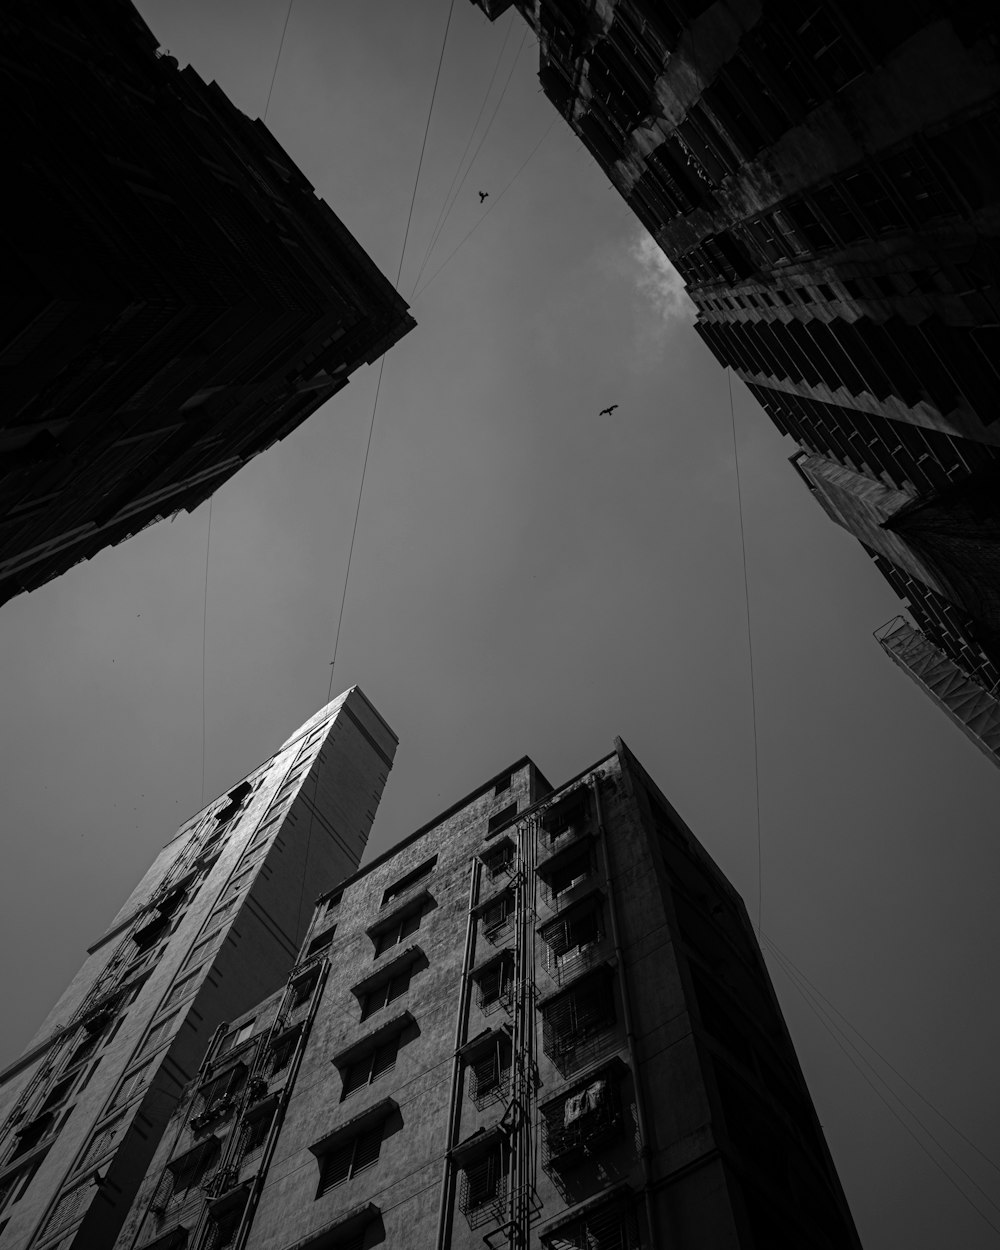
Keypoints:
(215, 922)
(824, 178)
(178, 298)
(542, 1020)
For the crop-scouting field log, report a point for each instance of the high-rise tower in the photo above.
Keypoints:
(823, 177)
(542, 1020)
(215, 923)
(177, 297)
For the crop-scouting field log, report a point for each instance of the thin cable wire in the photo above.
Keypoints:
(479, 145)
(381, 367)
(753, 683)
(888, 1063)
(204, 645)
(521, 169)
(448, 203)
(830, 1028)
(277, 59)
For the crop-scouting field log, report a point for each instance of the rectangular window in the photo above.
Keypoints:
(216, 1098)
(579, 1024)
(566, 818)
(489, 1073)
(398, 931)
(496, 916)
(503, 784)
(367, 1069)
(320, 942)
(483, 1186)
(182, 988)
(301, 990)
(494, 983)
(235, 1037)
(499, 858)
(158, 1032)
(571, 938)
(568, 874)
(255, 1133)
(59, 1092)
(347, 1160)
(404, 884)
(282, 1051)
(205, 948)
(132, 1085)
(501, 818)
(386, 993)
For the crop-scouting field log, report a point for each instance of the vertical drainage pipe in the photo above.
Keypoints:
(443, 1240)
(645, 1149)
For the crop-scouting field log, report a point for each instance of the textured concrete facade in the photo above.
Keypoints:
(216, 922)
(540, 1021)
(824, 179)
(178, 298)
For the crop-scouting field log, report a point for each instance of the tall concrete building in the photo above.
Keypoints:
(216, 922)
(177, 296)
(542, 1020)
(823, 177)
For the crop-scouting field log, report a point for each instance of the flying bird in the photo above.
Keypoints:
(483, 195)
(606, 412)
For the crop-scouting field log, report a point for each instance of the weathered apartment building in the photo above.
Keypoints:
(178, 298)
(824, 177)
(542, 1020)
(214, 925)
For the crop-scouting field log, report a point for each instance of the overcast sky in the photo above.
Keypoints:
(529, 578)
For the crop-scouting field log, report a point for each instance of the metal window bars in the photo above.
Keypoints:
(489, 1073)
(575, 1126)
(611, 1226)
(484, 1187)
(499, 858)
(495, 983)
(218, 1097)
(573, 941)
(497, 917)
(567, 818)
(221, 1230)
(566, 874)
(578, 1025)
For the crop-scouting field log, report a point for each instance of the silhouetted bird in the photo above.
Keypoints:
(606, 412)
(483, 195)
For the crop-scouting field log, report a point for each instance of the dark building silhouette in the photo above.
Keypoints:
(824, 178)
(540, 1021)
(177, 296)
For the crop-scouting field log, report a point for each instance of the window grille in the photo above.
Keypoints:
(302, 990)
(253, 1137)
(69, 1208)
(281, 1054)
(183, 1175)
(572, 940)
(495, 982)
(385, 939)
(386, 993)
(375, 1063)
(557, 881)
(566, 818)
(484, 1185)
(577, 1026)
(217, 1097)
(610, 1227)
(499, 858)
(221, 1230)
(575, 1127)
(489, 1073)
(351, 1157)
(497, 917)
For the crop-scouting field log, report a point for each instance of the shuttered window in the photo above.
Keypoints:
(350, 1158)
(371, 1066)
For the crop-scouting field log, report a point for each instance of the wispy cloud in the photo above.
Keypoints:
(658, 282)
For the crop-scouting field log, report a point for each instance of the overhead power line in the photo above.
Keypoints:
(277, 59)
(843, 1042)
(448, 203)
